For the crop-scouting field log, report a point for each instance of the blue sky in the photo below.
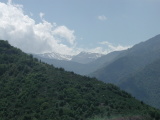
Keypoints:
(94, 25)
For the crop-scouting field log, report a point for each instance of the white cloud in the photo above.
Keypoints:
(64, 32)
(102, 17)
(97, 50)
(105, 47)
(41, 15)
(110, 47)
(22, 31)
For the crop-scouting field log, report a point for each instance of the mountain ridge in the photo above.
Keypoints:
(86, 57)
(131, 60)
(80, 68)
(135, 71)
(54, 55)
(145, 84)
(82, 57)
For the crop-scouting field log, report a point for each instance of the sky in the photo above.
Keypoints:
(71, 26)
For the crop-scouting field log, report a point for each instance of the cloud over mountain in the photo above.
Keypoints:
(112, 47)
(25, 33)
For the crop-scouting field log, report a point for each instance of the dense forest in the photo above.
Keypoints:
(33, 90)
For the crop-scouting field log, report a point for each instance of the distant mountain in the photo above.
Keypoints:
(67, 65)
(33, 90)
(130, 61)
(145, 84)
(105, 60)
(86, 57)
(82, 57)
(54, 55)
(79, 68)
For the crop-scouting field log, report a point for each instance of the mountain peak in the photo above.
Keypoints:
(54, 55)
(83, 57)
(86, 57)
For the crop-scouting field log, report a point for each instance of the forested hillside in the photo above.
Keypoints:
(32, 90)
(145, 84)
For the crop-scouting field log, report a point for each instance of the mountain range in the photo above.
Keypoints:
(82, 57)
(136, 70)
(33, 90)
(86, 57)
(83, 63)
(145, 84)
(120, 66)
(54, 55)
(130, 61)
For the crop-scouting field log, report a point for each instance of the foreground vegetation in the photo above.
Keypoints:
(32, 90)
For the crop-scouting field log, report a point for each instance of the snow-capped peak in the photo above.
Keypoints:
(58, 56)
(82, 57)
(86, 57)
